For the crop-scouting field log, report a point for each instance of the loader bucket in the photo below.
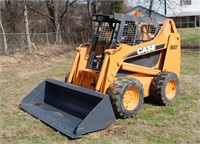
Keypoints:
(69, 109)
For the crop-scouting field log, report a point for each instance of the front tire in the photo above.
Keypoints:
(127, 96)
(165, 88)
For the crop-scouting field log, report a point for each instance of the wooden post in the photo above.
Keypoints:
(47, 37)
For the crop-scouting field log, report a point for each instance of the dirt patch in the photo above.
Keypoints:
(191, 47)
(40, 57)
(111, 130)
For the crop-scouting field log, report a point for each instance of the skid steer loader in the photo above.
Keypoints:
(129, 58)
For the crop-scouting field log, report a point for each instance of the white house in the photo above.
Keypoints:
(186, 13)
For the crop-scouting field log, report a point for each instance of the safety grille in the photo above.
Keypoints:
(134, 34)
(129, 32)
(105, 33)
(105, 36)
(147, 33)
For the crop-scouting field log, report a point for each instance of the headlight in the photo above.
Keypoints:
(111, 16)
(94, 17)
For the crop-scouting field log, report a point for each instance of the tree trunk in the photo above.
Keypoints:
(27, 27)
(89, 6)
(4, 35)
(53, 7)
(165, 3)
(57, 24)
(150, 7)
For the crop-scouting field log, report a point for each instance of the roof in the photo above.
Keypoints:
(141, 7)
(182, 14)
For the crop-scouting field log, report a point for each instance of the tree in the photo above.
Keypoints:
(151, 4)
(108, 7)
(4, 35)
(62, 17)
(150, 7)
(116, 6)
(103, 7)
(56, 19)
(157, 5)
(27, 27)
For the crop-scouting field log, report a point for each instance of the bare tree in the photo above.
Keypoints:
(64, 18)
(156, 5)
(53, 8)
(56, 19)
(27, 27)
(89, 8)
(150, 7)
(4, 35)
(92, 7)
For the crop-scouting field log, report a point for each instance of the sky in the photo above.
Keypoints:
(157, 7)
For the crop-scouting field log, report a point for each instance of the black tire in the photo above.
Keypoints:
(160, 88)
(118, 94)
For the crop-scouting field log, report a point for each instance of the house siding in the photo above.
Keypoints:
(185, 16)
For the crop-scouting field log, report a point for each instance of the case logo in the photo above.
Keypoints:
(146, 49)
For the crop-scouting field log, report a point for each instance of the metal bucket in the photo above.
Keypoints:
(70, 109)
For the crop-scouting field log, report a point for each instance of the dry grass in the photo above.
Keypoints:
(20, 73)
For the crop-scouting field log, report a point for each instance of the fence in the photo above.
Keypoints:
(18, 41)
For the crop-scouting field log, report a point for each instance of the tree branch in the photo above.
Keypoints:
(39, 12)
(46, 15)
(66, 7)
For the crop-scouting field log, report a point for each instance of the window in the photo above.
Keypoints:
(185, 2)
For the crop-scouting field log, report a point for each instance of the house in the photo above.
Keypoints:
(145, 12)
(186, 13)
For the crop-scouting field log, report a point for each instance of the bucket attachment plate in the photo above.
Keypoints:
(70, 109)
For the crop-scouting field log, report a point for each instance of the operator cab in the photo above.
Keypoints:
(110, 31)
(105, 37)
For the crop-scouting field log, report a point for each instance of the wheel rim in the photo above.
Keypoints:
(170, 89)
(131, 98)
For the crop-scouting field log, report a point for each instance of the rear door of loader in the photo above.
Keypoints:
(70, 109)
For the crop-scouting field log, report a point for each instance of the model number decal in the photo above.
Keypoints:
(173, 47)
(146, 49)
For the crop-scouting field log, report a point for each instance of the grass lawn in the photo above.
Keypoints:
(19, 74)
(190, 36)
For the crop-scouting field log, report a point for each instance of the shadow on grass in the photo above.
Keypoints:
(149, 100)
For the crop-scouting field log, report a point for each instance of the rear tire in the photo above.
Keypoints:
(127, 96)
(165, 88)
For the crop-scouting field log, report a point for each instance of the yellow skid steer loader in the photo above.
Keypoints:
(128, 59)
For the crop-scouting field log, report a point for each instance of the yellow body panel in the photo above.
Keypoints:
(169, 60)
(172, 59)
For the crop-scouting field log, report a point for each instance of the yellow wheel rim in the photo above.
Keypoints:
(131, 98)
(170, 90)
